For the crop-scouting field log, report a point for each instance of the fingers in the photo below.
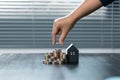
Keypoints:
(62, 34)
(61, 31)
(53, 39)
(62, 37)
(55, 31)
(59, 27)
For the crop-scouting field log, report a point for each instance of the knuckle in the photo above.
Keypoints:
(57, 22)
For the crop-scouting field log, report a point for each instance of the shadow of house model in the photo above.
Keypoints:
(72, 54)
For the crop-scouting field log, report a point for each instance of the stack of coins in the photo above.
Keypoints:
(55, 57)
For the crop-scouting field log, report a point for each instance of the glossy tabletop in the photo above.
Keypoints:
(30, 67)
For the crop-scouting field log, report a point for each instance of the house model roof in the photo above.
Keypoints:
(69, 46)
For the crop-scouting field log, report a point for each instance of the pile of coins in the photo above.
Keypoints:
(55, 57)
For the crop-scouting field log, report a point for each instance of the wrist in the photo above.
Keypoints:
(72, 18)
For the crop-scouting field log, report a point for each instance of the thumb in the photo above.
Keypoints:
(62, 37)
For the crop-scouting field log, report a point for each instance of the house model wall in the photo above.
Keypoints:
(72, 54)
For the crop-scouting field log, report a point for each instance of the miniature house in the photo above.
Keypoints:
(72, 54)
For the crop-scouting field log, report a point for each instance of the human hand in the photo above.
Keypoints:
(61, 26)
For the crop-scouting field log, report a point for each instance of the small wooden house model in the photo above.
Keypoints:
(72, 54)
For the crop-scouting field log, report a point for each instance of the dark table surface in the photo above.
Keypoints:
(30, 67)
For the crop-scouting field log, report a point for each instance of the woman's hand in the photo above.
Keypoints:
(61, 26)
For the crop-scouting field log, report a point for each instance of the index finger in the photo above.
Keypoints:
(54, 33)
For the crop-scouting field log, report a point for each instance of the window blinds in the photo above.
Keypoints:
(28, 24)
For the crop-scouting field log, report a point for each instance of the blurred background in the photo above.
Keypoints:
(27, 24)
